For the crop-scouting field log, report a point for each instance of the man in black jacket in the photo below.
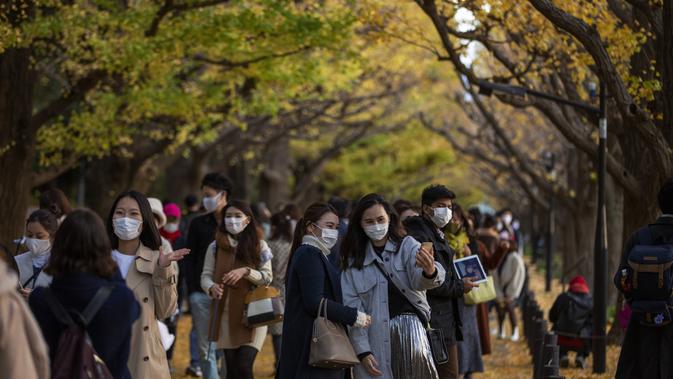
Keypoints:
(647, 350)
(437, 204)
(215, 189)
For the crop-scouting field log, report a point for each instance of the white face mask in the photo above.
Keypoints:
(127, 228)
(507, 219)
(376, 232)
(210, 203)
(442, 216)
(235, 225)
(329, 237)
(38, 247)
(172, 227)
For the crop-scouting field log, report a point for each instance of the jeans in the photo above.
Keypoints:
(193, 348)
(199, 304)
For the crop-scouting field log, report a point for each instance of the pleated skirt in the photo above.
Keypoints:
(410, 349)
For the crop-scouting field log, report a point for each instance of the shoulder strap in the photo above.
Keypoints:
(396, 289)
(96, 302)
(57, 308)
(33, 278)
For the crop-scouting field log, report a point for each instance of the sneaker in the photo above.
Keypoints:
(580, 362)
(501, 335)
(564, 362)
(194, 371)
(515, 335)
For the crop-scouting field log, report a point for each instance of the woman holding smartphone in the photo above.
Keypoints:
(386, 276)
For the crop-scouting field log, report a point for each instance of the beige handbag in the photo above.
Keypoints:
(330, 346)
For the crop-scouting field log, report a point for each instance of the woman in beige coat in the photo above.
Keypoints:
(150, 273)
(23, 352)
(237, 261)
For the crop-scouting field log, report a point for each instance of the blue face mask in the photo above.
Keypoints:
(210, 203)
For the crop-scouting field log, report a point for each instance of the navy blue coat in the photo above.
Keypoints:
(110, 329)
(310, 278)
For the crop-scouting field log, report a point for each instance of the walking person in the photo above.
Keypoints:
(508, 278)
(23, 352)
(310, 280)
(81, 264)
(41, 227)
(571, 316)
(461, 238)
(436, 203)
(238, 260)
(215, 189)
(395, 346)
(150, 273)
(648, 344)
(280, 245)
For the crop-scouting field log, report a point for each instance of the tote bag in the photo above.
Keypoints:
(485, 292)
(330, 345)
(263, 307)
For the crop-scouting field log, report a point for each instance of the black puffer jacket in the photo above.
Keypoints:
(446, 310)
(571, 314)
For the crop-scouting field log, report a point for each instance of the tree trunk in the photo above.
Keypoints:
(17, 140)
(274, 184)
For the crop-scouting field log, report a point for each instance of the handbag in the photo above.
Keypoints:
(330, 345)
(482, 294)
(263, 307)
(440, 353)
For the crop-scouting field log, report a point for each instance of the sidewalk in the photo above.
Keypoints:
(509, 360)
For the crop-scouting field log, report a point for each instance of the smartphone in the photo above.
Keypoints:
(427, 246)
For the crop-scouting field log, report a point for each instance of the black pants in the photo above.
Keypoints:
(239, 362)
(504, 309)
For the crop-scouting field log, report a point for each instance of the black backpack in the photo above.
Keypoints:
(75, 356)
(648, 279)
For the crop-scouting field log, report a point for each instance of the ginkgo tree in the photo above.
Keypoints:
(101, 78)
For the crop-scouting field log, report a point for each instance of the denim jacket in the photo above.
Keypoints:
(367, 290)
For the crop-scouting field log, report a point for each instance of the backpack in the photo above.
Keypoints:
(75, 356)
(648, 279)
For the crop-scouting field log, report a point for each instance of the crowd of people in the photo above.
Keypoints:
(385, 272)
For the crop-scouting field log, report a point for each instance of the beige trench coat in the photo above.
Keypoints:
(23, 352)
(155, 290)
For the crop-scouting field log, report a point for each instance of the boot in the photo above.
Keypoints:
(564, 362)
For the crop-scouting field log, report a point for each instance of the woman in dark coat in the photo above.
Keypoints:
(81, 263)
(311, 278)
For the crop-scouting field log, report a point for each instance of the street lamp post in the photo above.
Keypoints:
(550, 159)
(600, 243)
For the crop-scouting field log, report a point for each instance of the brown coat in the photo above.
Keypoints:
(155, 290)
(23, 352)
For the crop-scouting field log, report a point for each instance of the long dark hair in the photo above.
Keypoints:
(149, 236)
(248, 249)
(312, 215)
(354, 244)
(80, 246)
(281, 224)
